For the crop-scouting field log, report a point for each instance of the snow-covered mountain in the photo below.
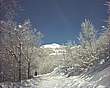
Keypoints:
(54, 49)
(57, 49)
(53, 46)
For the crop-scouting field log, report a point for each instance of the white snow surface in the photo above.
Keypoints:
(100, 79)
(53, 45)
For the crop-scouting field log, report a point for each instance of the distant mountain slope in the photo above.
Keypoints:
(53, 45)
(54, 49)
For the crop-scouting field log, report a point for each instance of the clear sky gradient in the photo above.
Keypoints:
(60, 20)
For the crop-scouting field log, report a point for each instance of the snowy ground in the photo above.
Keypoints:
(100, 79)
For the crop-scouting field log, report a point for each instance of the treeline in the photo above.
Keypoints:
(19, 45)
(94, 47)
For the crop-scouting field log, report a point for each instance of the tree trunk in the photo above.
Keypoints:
(28, 70)
(19, 79)
(19, 62)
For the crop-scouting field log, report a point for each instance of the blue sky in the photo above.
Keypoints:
(60, 20)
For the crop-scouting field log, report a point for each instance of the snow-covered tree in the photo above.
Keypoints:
(87, 35)
(20, 44)
(31, 42)
(103, 42)
(88, 43)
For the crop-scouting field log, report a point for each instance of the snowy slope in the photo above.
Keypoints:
(100, 79)
(54, 49)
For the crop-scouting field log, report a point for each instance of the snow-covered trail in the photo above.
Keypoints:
(100, 79)
(56, 82)
(61, 82)
(52, 82)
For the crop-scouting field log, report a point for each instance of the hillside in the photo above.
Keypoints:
(97, 79)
